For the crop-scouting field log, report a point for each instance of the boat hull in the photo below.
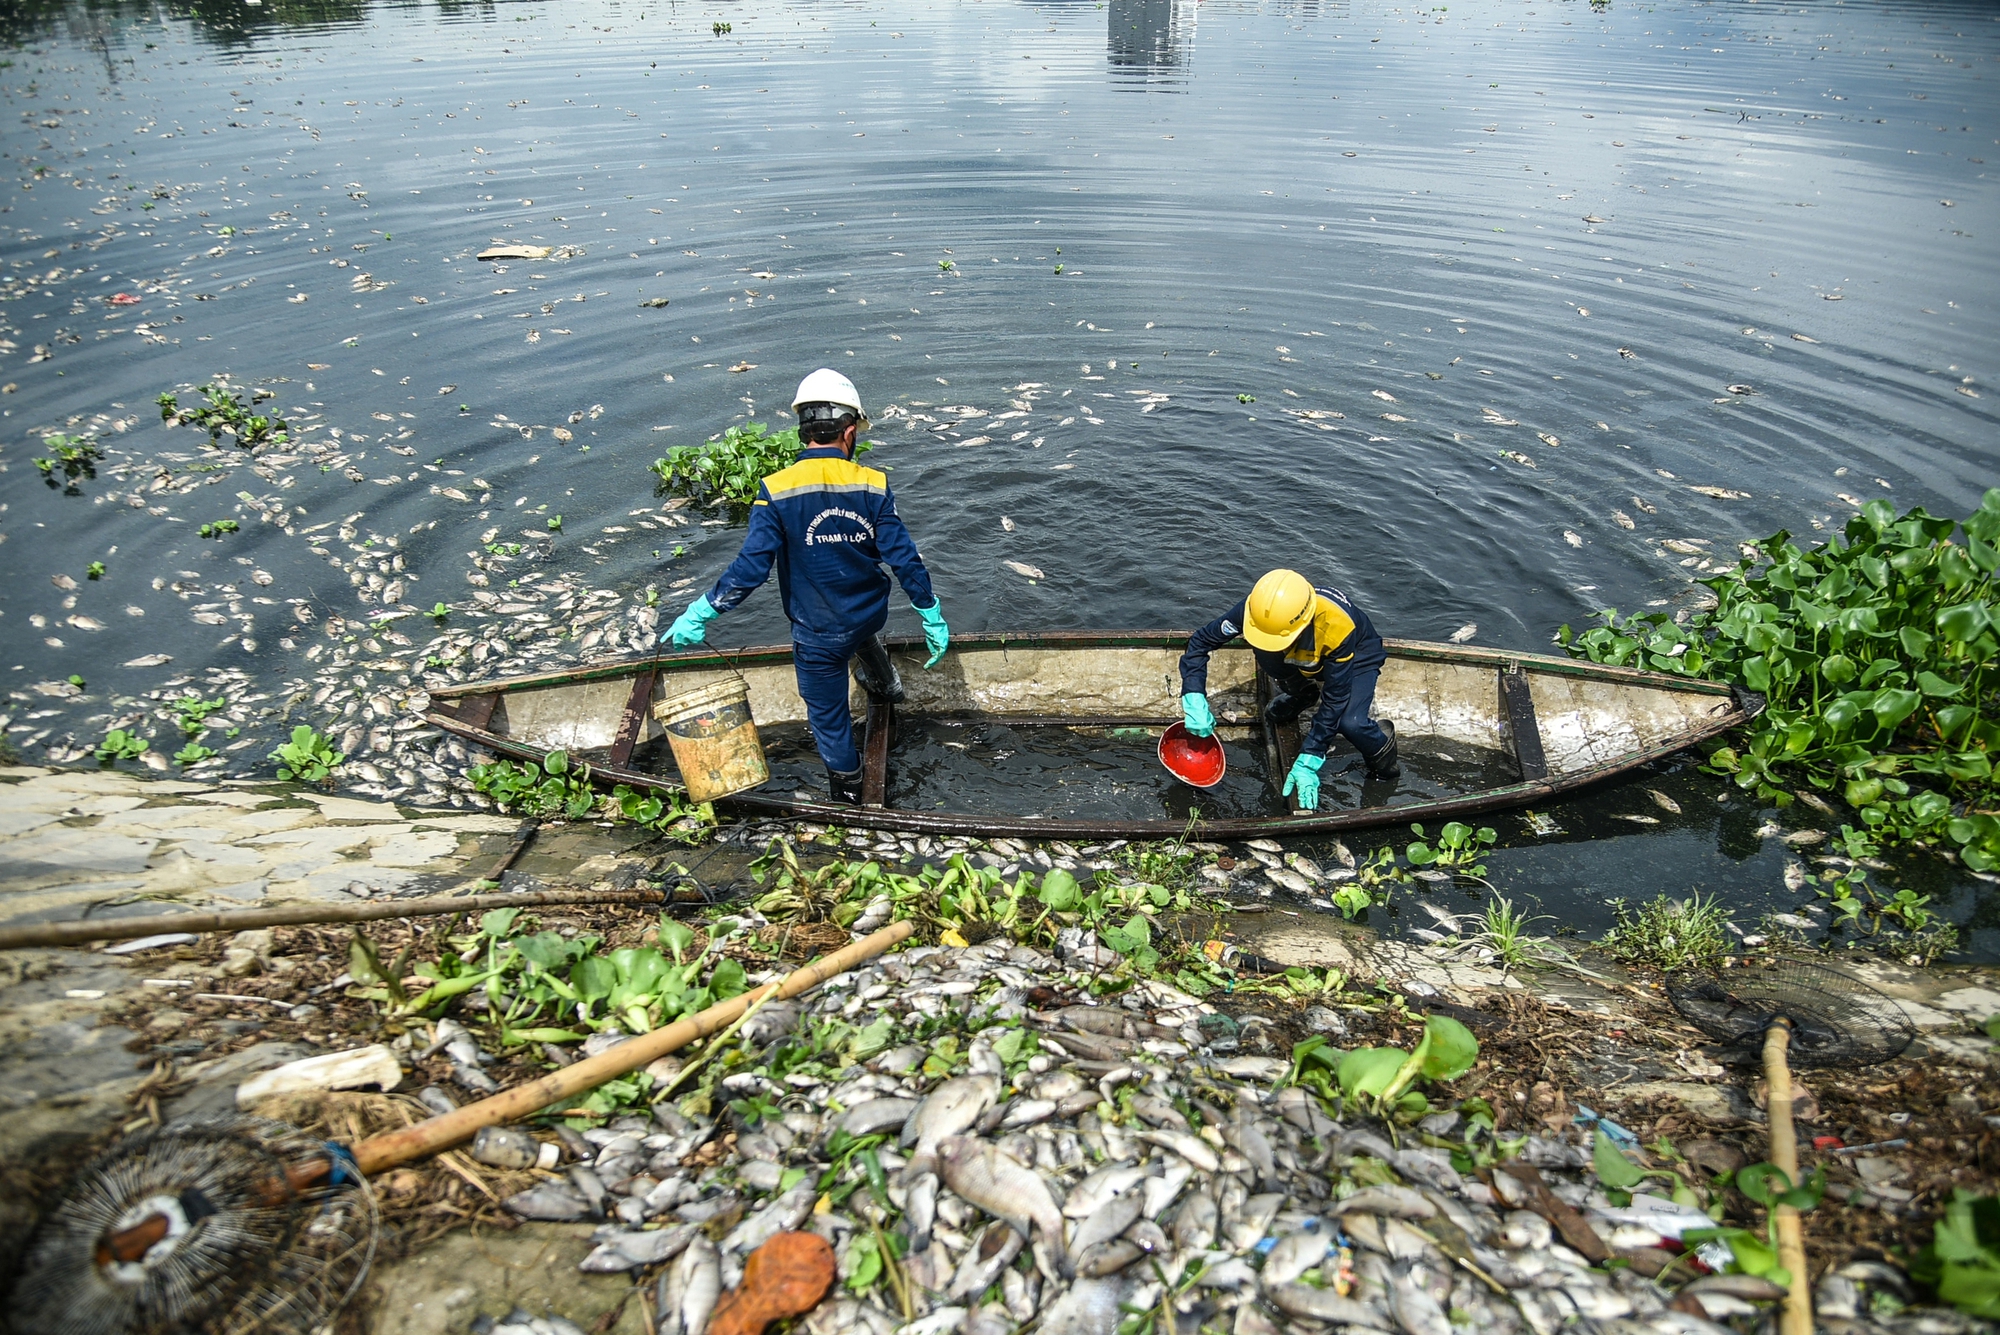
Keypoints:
(1565, 724)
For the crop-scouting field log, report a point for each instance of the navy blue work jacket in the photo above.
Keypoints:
(1340, 642)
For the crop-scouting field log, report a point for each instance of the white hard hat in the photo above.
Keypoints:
(829, 386)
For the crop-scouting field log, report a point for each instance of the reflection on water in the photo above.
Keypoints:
(1150, 43)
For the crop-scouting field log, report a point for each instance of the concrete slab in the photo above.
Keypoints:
(237, 797)
(243, 892)
(413, 850)
(479, 824)
(221, 854)
(22, 821)
(63, 847)
(352, 809)
(319, 840)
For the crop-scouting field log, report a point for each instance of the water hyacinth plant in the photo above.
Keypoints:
(1878, 652)
(730, 467)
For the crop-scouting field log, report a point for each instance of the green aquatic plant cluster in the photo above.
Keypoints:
(308, 757)
(553, 788)
(1878, 652)
(1670, 933)
(559, 789)
(731, 467)
(119, 744)
(72, 457)
(223, 413)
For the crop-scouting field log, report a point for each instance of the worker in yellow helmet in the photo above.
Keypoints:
(1317, 647)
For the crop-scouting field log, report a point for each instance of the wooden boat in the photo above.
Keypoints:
(1480, 730)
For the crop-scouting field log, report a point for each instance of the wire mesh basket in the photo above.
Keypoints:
(1836, 1020)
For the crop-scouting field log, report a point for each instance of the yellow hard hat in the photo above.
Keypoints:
(1279, 607)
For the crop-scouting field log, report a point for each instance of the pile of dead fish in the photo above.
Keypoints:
(1125, 1178)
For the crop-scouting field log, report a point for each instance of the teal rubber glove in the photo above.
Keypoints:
(1196, 714)
(937, 635)
(691, 628)
(1304, 779)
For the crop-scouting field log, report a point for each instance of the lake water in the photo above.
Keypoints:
(1440, 305)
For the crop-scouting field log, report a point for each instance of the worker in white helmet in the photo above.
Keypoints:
(1318, 648)
(830, 525)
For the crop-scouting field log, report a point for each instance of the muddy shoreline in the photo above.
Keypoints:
(99, 1042)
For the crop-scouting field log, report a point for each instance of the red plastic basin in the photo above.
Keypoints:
(1193, 760)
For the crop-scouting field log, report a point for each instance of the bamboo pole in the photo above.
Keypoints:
(1797, 1317)
(442, 1132)
(294, 915)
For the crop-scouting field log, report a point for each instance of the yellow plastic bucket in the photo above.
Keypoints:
(714, 739)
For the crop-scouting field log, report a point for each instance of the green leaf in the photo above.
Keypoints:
(1451, 1048)
(545, 950)
(499, 922)
(728, 980)
(1963, 622)
(1931, 684)
(676, 937)
(1838, 669)
(1613, 1168)
(593, 977)
(1369, 1070)
(1915, 642)
(1893, 706)
(1059, 891)
(1756, 1181)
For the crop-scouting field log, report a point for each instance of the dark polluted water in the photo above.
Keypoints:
(1444, 307)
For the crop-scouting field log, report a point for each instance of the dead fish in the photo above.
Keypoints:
(1304, 866)
(1663, 802)
(1445, 918)
(1158, 1112)
(997, 1246)
(1161, 1190)
(1265, 845)
(1518, 458)
(1416, 1311)
(1383, 395)
(1107, 1222)
(1248, 1140)
(1389, 1199)
(1190, 1147)
(701, 1284)
(998, 1184)
(1303, 1300)
(1107, 1258)
(1465, 632)
(1022, 568)
(1100, 1187)
(1573, 539)
(1088, 1307)
(1637, 820)
(1796, 877)
(920, 1210)
(1006, 524)
(1288, 879)
(1340, 852)
(1547, 439)
(1195, 1222)
(1294, 1254)
(1623, 520)
(1109, 1021)
(1250, 1225)
(949, 1109)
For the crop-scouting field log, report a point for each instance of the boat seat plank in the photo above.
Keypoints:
(875, 755)
(476, 711)
(633, 721)
(1524, 732)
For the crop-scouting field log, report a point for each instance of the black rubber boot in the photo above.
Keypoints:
(1289, 706)
(1382, 765)
(845, 788)
(876, 672)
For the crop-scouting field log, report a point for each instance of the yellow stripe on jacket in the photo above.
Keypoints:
(1330, 628)
(832, 475)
